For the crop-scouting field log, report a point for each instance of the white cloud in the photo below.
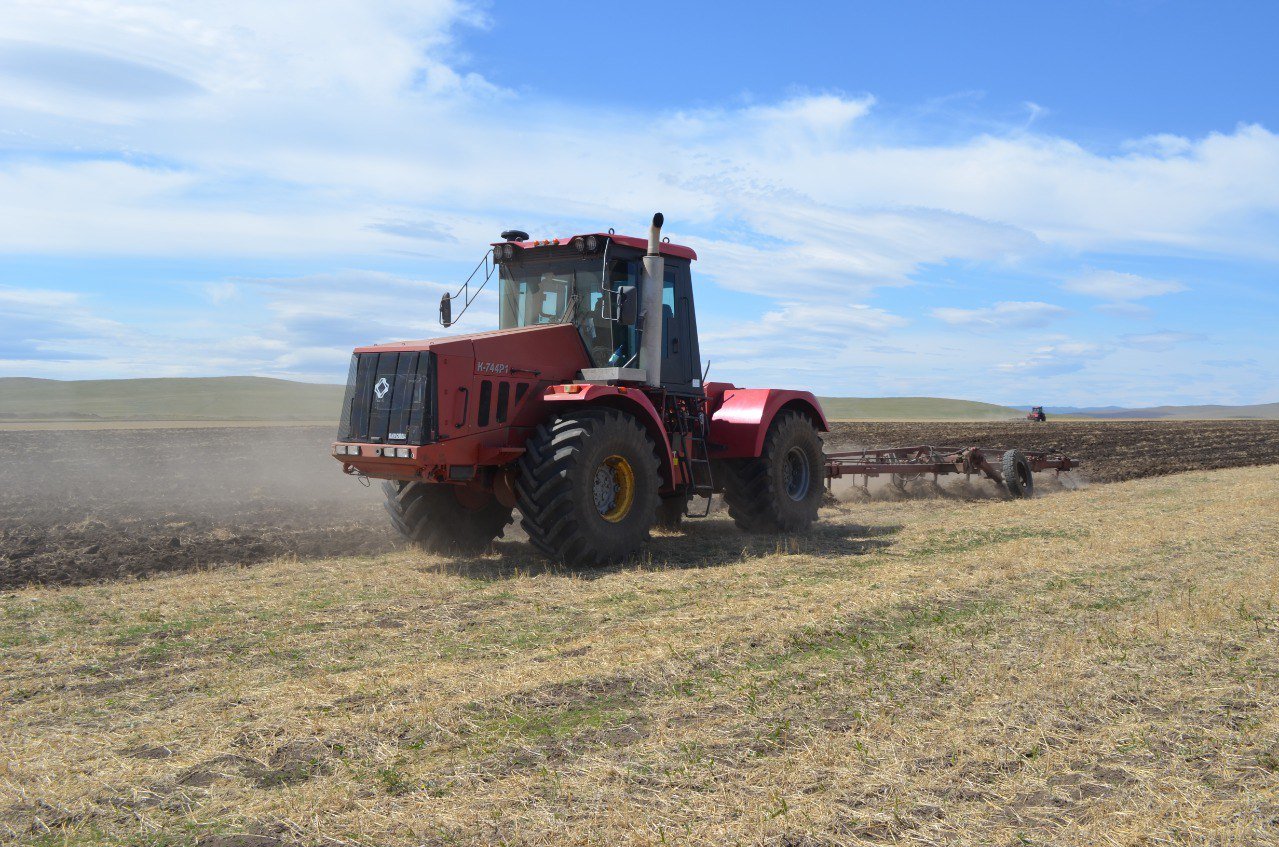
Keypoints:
(798, 343)
(1160, 341)
(344, 134)
(1004, 315)
(1132, 311)
(42, 325)
(298, 327)
(221, 292)
(285, 46)
(1059, 358)
(348, 130)
(1117, 286)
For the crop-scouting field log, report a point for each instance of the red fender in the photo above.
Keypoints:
(630, 400)
(740, 417)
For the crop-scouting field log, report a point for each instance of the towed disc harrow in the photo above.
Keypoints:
(1012, 469)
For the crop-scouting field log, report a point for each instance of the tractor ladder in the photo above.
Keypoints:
(691, 431)
(701, 480)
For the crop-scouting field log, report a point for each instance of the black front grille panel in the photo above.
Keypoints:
(390, 399)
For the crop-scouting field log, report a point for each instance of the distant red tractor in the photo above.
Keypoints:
(585, 411)
(1036, 414)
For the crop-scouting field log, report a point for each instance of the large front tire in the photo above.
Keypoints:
(781, 490)
(587, 488)
(443, 518)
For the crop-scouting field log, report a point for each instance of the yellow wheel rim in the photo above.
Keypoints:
(614, 488)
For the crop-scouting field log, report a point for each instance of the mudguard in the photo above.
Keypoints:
(740, 417)
(630, 400)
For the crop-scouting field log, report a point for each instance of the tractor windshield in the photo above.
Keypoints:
(567, 291)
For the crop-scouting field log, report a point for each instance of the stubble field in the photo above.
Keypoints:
(1094, 666)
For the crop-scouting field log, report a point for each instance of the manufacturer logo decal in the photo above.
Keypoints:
(382, 388)
(492, 368)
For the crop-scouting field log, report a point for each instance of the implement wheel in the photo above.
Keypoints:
(1018, 479)
(782, 489)
(587, 487)
(445, 518)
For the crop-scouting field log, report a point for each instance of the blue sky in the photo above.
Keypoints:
(1023, 203)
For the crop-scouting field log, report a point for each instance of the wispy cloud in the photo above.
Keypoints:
(1120, 287)
(1132, 311)
(46, 326)
(1004, 315)
(1160, 341)
(1063, 357)
(64, 69)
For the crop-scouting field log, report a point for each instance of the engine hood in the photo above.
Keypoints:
(552, 352)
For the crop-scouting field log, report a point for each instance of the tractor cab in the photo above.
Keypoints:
(594, 282)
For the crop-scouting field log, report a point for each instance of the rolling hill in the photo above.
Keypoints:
(253, 398)
(1259, 411)
(249, 398)
(232, 398)
(914, 409)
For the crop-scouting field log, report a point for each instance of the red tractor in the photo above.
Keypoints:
(1037, 415)
(585, 411)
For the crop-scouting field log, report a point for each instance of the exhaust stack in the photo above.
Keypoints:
(651, 305)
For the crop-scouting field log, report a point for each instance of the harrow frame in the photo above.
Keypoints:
(937, 461)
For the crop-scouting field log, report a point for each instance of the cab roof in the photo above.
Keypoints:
(678, 251)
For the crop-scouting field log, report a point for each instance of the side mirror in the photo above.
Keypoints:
(627, 305)
(446, 310)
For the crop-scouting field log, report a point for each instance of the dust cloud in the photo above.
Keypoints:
(83, 505)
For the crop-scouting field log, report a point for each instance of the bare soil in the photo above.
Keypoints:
(82, 506)
(79, 506)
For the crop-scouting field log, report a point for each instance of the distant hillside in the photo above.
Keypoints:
(914, 409)
(1260, 411)
(252, 398)
(230, 398)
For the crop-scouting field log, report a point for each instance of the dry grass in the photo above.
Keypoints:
(1094, 667)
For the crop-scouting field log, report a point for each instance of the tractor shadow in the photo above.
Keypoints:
(698, 544)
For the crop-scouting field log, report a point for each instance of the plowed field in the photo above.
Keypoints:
(87, 505)
(1112, 451)
(79, 506)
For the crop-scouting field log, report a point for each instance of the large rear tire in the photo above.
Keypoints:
(781, 490)
(434, 517)
(587, 487)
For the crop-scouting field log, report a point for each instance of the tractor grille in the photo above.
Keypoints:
(390, 399)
